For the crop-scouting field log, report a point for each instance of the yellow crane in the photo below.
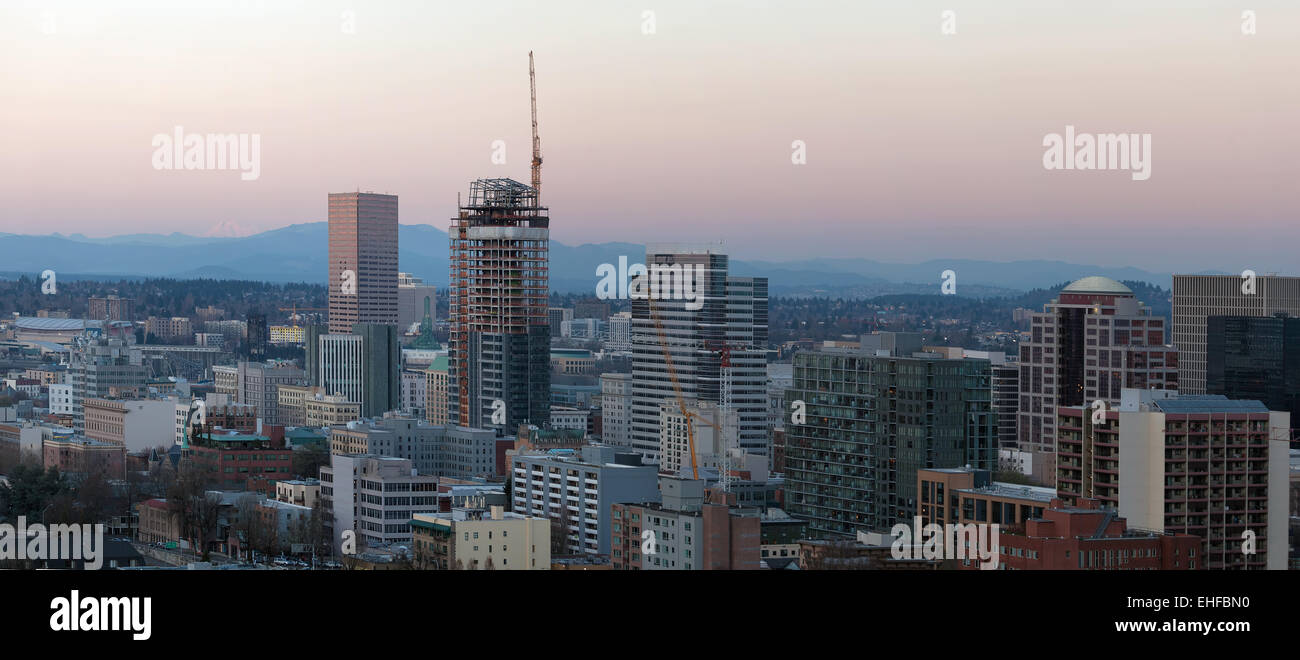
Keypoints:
(537, 141)
(677, 386)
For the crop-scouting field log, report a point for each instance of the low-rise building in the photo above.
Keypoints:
(481, 538)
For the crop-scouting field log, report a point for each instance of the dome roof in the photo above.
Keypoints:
(1096, 284)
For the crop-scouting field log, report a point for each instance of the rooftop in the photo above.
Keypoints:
(1208, 403)
(1096, 284)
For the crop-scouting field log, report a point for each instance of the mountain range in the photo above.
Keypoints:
(297, 253)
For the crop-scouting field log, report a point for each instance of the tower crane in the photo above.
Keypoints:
(537, 141)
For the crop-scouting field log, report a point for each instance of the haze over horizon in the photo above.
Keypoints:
(919, 145)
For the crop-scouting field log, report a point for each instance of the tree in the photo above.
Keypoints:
(31, 490)
(197, 510)
(308, 460)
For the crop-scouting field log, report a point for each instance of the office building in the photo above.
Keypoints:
(717, 343)
(137, 424)
(1198, 297)
(619, 332)
(616, 409)
(1255, 357)
(436, 383)
(1089, 343)
(875, 415)
(442, 451)
(576, 490)
(361, 366)
(98, 368)
(413, 298)
(500, 332)
(362, 260)
(962, 495)
(555, 317)
(110, 308)
(376, 497)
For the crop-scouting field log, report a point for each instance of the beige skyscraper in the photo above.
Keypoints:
(1199, 296)
(362, 260)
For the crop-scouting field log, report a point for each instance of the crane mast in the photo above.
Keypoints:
(537, 141)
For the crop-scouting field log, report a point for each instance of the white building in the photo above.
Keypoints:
(616, 409)
(376, 497)
(61, 399)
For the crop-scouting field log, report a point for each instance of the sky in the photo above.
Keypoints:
(923, 131)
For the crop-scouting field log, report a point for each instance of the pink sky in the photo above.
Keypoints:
(920, 145)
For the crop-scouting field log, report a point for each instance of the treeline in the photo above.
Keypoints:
(162, 297)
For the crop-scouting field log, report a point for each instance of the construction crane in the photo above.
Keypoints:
(537, 141)
(677, 386)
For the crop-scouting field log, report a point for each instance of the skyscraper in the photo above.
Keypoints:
(872, 416)
(1252, 357)
(500, 331)
(361, 366)
(717, 343)
(362, 260)
(1088, 344)
(1199, 296)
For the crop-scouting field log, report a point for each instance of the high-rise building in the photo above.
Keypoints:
(1088, 344)
(717, 343)
(500, 332)
(97, 367)
(619, 337)
(872, 416)
(258, 337)
(1195, 464)
(413, 297)
(556, 316)
(362, 260)
(616, 409)
(1197, 297)
(1255, 357)
(361, 366)
(111, 308)
(435, 389)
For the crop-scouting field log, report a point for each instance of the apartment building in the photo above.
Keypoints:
(481, 539)
(1197, 464)
(578, 488)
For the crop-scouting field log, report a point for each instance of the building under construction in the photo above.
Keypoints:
(500, 332)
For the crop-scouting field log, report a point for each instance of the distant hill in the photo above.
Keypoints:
(297, 253)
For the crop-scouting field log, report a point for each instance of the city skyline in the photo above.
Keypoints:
(709, 130)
